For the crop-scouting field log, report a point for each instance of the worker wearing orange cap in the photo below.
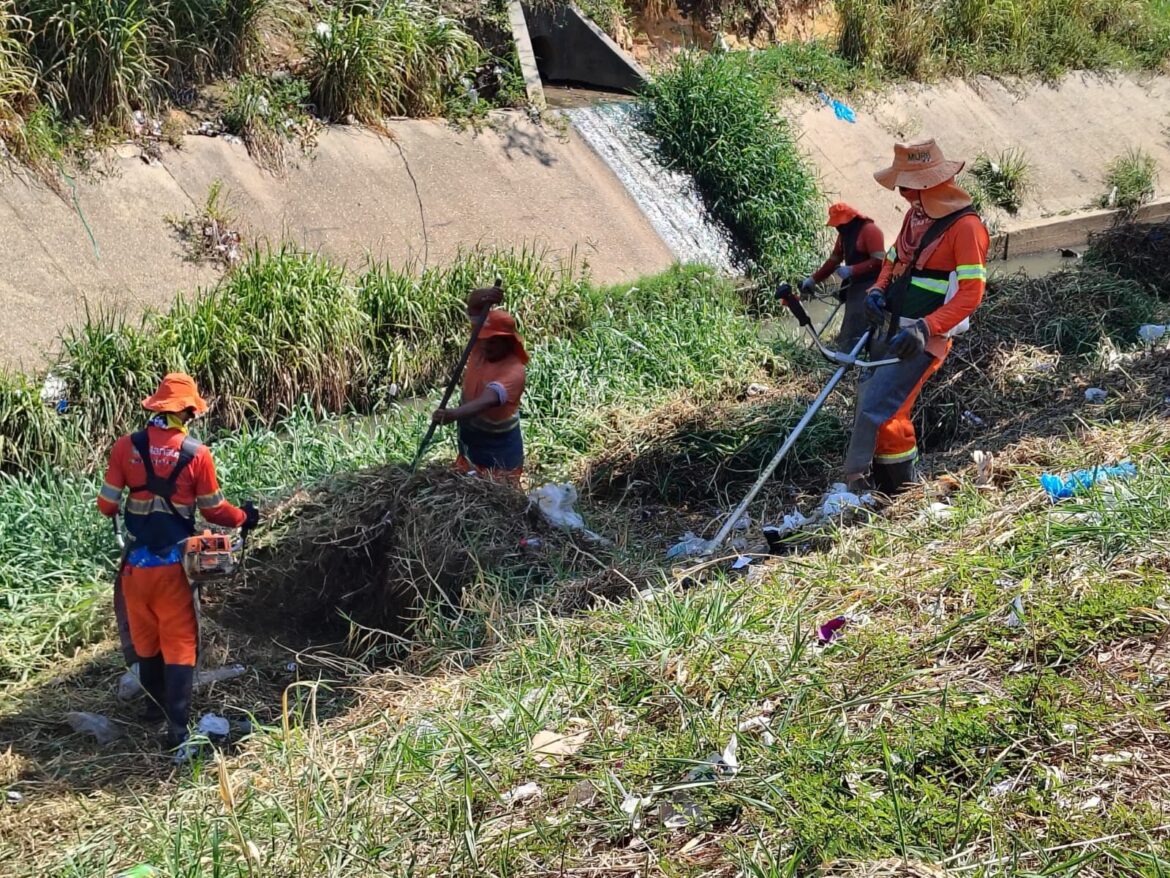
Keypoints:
(857, 260)
(932, 279)
(169, 475)
(488, 415)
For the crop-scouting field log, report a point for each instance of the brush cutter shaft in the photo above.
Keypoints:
(832, 314)
(787, 446)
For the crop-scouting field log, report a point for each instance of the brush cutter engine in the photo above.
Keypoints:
(210, 556)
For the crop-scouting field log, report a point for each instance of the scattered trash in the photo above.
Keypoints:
(1121, 757)
(1066, 253)
(213, 726)
(549, 747)
(522, 793)
(1151, 333)
(1090, 804)
(831, 630)
(1016, 616)
(983, 467)
(742, 561)
(53, 391)
(756, 723)
(94, 724)
(218, 675)
(13, 797)
(688, 545)
(680, 812)
(426, 729)
(716, 765)
(1002, 788)
(1069, 729)
(937, 512)
(323, 30)
(743, 523)
(755, 389)
(1096, 395)
(556, 504)
(973, 419)
(767, 739)
(1062, 487)
(841, 110)
(291, 667)
(839, 500)
(129, 685)
(531, 543)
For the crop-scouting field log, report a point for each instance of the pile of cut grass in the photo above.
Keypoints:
(1139, 253)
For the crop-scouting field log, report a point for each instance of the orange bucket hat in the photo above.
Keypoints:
(918, 166)
(501, 323)
(176, 393)
(842, 213)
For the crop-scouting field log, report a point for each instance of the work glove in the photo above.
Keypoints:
(806, 285)
(844, 272)
(251, 516)
(910, 340)
(875, 306)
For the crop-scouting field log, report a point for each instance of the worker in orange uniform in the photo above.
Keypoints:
(932, 279)
(169, 475)
(488, 415)
(857, 260)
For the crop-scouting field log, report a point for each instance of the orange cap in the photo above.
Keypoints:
(501, 323)
(176, 393)
(841, 213)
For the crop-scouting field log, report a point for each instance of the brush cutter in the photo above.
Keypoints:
(455, 375)
(844, 363)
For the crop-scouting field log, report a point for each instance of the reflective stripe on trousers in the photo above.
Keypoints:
(882, 425)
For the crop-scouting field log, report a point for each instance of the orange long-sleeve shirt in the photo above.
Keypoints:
(961, 249)
(196, 488)
(870, 241)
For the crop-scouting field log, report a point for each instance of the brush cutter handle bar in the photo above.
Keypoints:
(784, 449)
(118, 538)
(788, 296)
(839, 358)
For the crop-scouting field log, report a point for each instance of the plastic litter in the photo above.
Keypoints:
(556, 504)
(218, 675)
(129, 685)
(937, 512)
(1096, 395)
(717, 765)
(1015, 617)
(742, 561)
(522, 793)
(839, 499)
(743, 523)
(531, 543)
(831, 630)
(680, 812)
(213, 726)
(688, 545)
(100, 727)
(973, 419)
(1061, 487)
(12, 797)
(1150, 333)
(841, 110)
(755, 389)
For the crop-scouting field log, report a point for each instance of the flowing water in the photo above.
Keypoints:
(669, 199)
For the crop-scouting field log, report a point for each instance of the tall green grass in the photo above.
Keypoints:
(923, 38)
(714, 117)
(371, 59)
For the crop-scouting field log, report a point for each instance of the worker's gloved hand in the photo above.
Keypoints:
(806, 286)
(483, 298)
(844, 272)
(443, 416)
(875, 306)
(251, 515)
(910, 340)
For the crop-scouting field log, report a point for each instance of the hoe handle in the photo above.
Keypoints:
(785, 294)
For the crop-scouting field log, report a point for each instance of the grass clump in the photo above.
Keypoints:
(1136, 252)
(714, 118)
(1130, 180)
(1002, 181)
(270, 115)
(370, 60)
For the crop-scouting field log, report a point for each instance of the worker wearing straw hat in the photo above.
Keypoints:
(857, 260)
(490, 442)
(169, 475)
(931, 281)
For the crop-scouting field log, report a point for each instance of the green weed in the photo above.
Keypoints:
(714, 118)
(1130, 180)
(270, 115)
(1002, 181)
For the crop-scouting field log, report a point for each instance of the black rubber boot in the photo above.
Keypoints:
(893, 478)
(151, 674)
(180, 680)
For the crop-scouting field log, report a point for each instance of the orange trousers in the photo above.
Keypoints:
(160, 608)
(507, 476)
(896, 439)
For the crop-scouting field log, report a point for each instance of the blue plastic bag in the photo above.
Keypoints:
(1061, 487)
(841, 110)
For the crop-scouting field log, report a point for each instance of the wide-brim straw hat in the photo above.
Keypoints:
(501, 324)
(918, 166)
(176, 393)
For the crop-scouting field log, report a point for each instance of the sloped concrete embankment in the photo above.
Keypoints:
(1070, 132)
(418, 196)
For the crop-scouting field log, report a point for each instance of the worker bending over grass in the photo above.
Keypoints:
(488, 417)
(169, 475)
(857, 260)
(932, 279)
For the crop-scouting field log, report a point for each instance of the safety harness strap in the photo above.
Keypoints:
(897, 296)
(165, 487)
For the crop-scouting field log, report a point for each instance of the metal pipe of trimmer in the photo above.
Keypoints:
(785, 448)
